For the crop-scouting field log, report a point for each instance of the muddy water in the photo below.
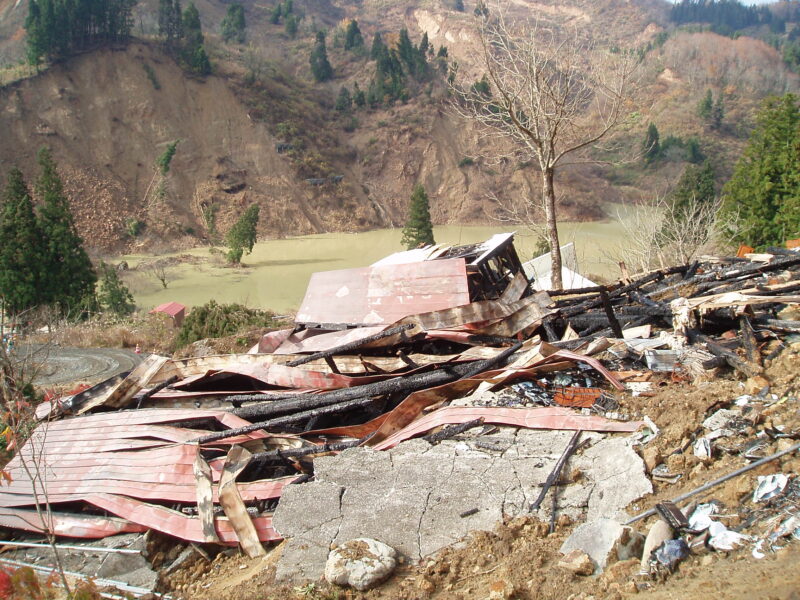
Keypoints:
(276, 274)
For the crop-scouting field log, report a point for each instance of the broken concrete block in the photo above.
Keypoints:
(361, 563)
(577, 562)
(604, 540)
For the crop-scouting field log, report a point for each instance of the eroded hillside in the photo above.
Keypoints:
(109, 114)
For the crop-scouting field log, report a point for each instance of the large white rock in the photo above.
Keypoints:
(361, 563)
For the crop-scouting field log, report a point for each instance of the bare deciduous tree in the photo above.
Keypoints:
(158, 270)
(549, 93)
(662, 234)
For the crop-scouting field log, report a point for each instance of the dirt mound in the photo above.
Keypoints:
(519, 559)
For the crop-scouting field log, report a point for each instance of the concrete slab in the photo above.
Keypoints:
(412, 497)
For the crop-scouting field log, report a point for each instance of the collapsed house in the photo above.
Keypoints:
(202, 449)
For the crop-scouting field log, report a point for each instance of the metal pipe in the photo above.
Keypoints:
(63, 547)
(717, 481)
(124, 587)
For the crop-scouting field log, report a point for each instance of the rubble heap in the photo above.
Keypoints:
(438, 343)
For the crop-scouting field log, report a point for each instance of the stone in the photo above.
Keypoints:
(604, 540)
(500, 590)
(651, 457)
(361, 563)
(577, 562)
(659, 533)
(755, 384)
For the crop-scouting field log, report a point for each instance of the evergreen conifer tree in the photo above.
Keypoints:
(21, 272)
(242, 236)
(419, 229)
(234, 24)
(705, 106)
(290, 26)
(344, 101)
(353, 38)
(113, 295)
(651, 146)
(377, 46)
(275, 15)
(764, 191)
(359, 98)
(717, 113)
(69, 276)
(320, 67)
(695, 185)
(194, 53)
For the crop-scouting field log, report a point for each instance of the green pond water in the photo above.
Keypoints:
(276, 274)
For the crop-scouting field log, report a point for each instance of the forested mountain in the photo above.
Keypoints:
(328, 113)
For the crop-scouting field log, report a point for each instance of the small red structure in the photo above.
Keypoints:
(175, 310)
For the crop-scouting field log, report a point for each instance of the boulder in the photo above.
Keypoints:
(361, 563)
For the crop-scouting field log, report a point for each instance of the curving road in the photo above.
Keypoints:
(57, 365)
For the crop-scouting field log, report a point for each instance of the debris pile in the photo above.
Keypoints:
(443, 343)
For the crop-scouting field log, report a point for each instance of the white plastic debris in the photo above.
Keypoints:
(723, 538)
(701, 517)
(722, 419)
(769, 486)
(702, 448)
(646, 434)
(637, 388)
(757, 552)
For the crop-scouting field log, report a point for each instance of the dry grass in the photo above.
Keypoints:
(155, 333)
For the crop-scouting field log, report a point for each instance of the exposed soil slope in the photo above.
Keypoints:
(107, 122)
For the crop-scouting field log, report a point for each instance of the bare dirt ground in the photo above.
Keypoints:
(519, 559)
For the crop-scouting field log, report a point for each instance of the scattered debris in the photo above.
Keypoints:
(455, 346)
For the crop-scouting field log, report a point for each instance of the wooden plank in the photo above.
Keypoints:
(233, 505)
(205, 495)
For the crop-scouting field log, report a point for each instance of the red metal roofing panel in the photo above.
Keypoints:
(384, 294)
(115, 461)
(530, 418)
(171, 308)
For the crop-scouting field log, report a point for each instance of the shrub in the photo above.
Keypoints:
(134, 227)
(214, 320)
(467, 161)
(151, 75)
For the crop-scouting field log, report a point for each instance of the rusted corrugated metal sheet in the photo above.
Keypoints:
(529, 418)
(383, 294)
(125, 462)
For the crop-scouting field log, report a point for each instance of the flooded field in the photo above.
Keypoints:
(275, 275)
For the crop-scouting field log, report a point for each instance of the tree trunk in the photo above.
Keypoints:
(549, 199)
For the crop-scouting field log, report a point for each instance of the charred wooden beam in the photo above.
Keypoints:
(749, 341)
(556, 472)
(747, 369)
(311, 402)
(312, 413)
(612, 319)
(778, 324)
(155, 389)
(345, 348)
(452, 431)
(283, 455)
